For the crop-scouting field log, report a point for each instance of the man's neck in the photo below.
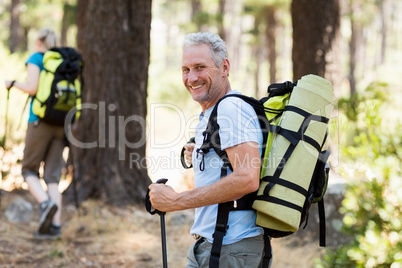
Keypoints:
(205, 106)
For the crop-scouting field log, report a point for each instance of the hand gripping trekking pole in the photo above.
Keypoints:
(152, 211)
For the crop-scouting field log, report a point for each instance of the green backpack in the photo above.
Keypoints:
(59, 87)
(277, 202)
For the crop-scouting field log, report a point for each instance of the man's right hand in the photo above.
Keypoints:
(188, 152)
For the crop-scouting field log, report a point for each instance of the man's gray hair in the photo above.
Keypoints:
(218, 50)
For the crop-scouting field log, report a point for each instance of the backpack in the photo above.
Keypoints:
(283, 200)
(59, 87)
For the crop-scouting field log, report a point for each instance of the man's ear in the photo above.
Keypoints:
(225, 67)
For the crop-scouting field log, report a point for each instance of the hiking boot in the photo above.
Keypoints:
(47, 210)
(53, 233)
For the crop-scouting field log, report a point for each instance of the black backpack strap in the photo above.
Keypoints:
(267, 250)
(212, 140)
(207, 143)
(222, 217)
(321, 171)
(221, 228)
(321, 215)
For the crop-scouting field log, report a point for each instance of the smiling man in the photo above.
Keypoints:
(205, 73)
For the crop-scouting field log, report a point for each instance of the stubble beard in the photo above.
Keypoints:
(207, 96)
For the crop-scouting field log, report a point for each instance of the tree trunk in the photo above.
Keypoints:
(64, 27)
(270, 35)
(14, 41)
(384, 29)
(256, 54)
(68, 19)
(353, 44)
(233, 33)
(109, 138)
(195, 12)
(221, 19)
(313, 38)
(24, 38)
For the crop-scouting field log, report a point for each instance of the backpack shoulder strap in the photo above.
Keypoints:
(211, 134)
(212, 131)
(245, 202)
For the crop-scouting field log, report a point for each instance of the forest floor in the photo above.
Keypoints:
(95, 235)
(99, 235)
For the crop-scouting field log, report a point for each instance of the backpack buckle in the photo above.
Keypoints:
(220, 227)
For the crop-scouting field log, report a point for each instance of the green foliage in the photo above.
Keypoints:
(372, 206)
(355, 106)
(372, 212)
(70, 12)
(41, 13)
(33, 15)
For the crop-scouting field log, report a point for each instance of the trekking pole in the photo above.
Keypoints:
(3, 143)
(23, 111)
(163, 237)
(148, 207)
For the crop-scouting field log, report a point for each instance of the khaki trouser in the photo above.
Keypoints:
(44, 142)
(245, 253)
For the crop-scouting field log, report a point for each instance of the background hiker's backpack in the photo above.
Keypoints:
(282, 204)
(60, 84)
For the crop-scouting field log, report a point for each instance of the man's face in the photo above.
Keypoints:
(200, 75)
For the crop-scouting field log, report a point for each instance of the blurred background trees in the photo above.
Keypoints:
(356, 44)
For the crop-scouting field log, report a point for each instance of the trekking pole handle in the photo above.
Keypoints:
(148, 205)
(163, 181)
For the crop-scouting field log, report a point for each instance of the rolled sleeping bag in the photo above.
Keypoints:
(314, 95)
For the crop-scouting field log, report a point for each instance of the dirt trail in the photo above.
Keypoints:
(98, 235)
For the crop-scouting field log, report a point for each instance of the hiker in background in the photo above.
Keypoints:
(205, 72)
(43, 142)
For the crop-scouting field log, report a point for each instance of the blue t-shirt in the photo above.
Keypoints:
(37, 59)
(238, 124)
